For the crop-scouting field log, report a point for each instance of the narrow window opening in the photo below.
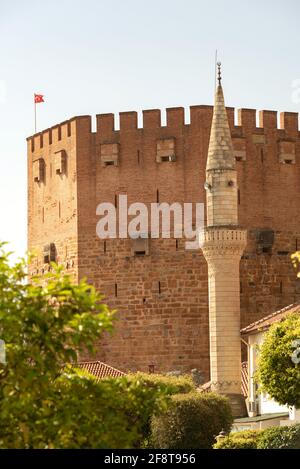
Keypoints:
(139, 253)
(159, 287)
(176, 244)
(116, 289)
(239, 196)
(157, 196)
(109, 163)
(262, 155)
(116, 201)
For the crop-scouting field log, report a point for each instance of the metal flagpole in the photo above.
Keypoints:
(34, 114)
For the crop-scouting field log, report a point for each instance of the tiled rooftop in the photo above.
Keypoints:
(100, 370)
(267, 321)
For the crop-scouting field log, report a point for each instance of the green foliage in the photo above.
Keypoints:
(193, 420)
(174, 384)
(277, 373)
(287, 437)
(169, 385)
(83, 413)
(246, 439)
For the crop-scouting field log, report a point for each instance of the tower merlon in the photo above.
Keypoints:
(267, 119)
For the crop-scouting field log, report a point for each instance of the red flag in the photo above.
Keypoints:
(38, 98)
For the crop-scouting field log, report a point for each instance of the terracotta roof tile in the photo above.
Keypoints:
(267, 321)
(99, 369)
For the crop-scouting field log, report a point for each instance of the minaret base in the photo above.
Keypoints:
(238, 405)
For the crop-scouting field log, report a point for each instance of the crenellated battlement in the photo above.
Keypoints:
(200, 117)
(56, 133)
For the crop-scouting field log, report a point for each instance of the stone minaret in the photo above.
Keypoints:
(222, 243)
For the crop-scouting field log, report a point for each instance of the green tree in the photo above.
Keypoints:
(278, 364)
(44, 401)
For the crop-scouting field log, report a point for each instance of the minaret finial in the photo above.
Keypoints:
(219, 73)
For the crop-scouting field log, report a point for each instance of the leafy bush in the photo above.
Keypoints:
(277, 373)
(287, 437)
(246, 439)
(166, 384)
(111, 413)
(193, 420)
(174, 384)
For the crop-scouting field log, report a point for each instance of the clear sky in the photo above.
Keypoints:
(97, 56)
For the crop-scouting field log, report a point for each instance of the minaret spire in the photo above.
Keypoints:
(219, 73)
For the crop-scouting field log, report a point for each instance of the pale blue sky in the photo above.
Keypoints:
(97, 56)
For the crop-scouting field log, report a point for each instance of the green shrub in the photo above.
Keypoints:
(287, 437)
(173, 384)
(247, 439)
(193, 420)
(278, 372)
(160, 384)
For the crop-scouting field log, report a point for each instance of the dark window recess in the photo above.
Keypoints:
(168, 158)
(109, 163)
(116, 289)
(104, 246)
(265, 240)
(139, 253)
(262, 155)
(177, 244)
(239, 196)
(159, 288)
(49, 252)
(116, 201)
(157, 196)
